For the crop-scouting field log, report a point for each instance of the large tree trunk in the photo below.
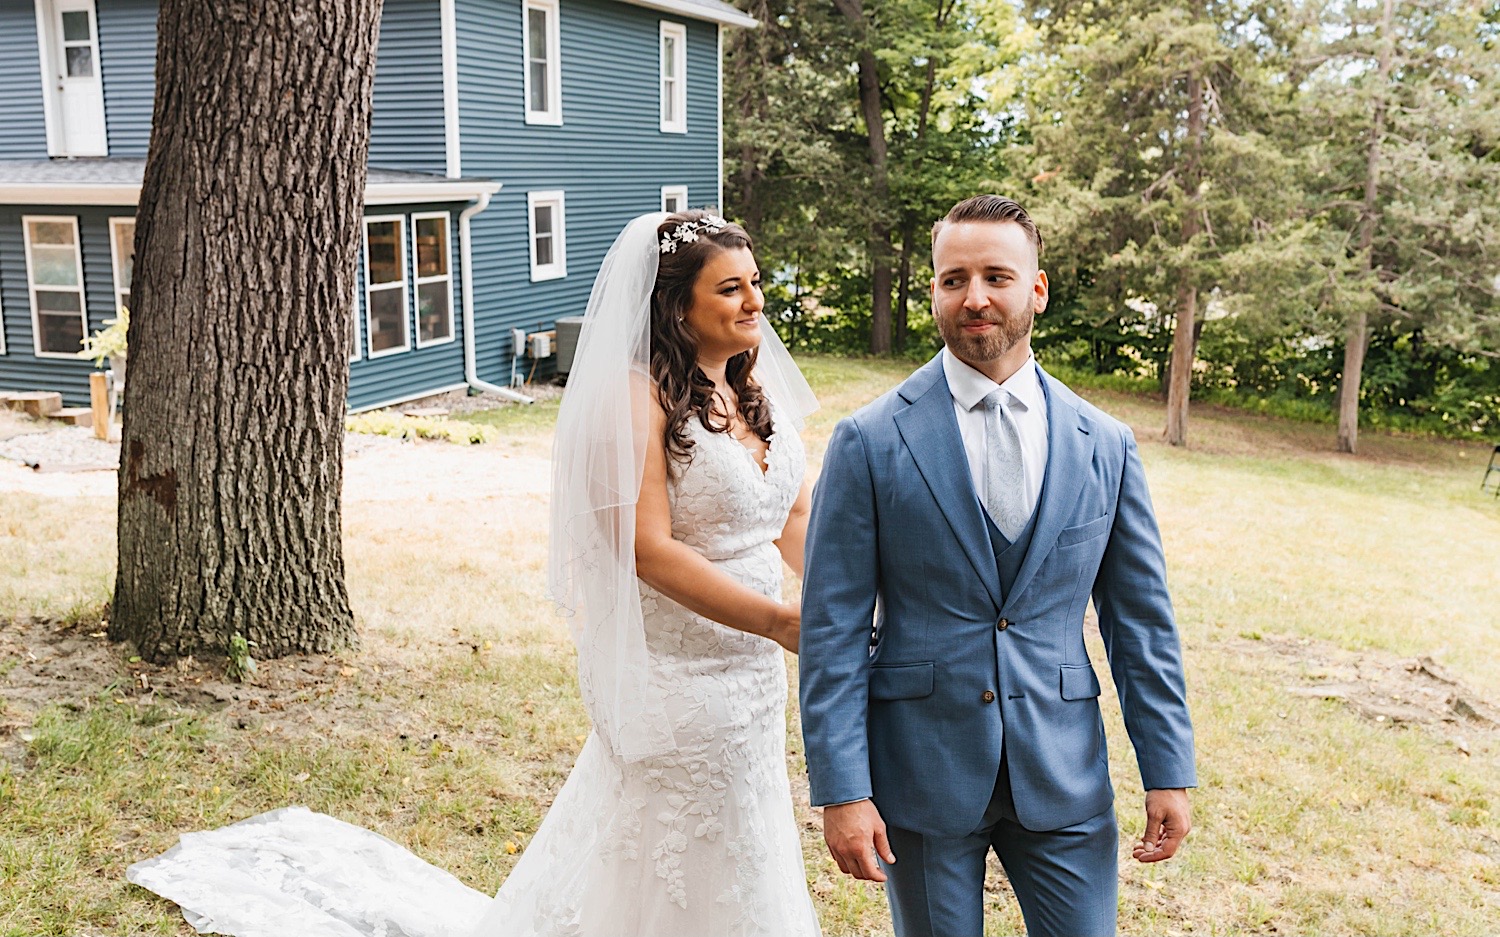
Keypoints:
(881, 274)
(248, 227)
(879, 243)
(1357, 333)
(903, 284)
(1180, 378)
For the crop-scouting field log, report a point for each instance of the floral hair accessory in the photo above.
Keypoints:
(687, 232)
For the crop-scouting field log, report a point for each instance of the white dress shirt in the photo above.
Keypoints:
(1027, 405)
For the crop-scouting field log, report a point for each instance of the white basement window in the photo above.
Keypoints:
(674, 198)
(54, 277)
(122, 254)
(548, 229)
(673, 78)
(542, 56)
(433, 278)
(385, 285)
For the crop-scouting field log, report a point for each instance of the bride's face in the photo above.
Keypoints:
(725, 313)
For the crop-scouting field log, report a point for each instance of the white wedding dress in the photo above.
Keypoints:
(698, 843)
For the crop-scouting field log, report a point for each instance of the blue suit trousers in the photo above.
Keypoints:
(1067, 880)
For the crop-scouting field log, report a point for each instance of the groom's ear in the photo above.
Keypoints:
(1040, 293)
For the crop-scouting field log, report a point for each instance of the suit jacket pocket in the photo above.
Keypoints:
(1079, 682)
(1082, 532)
(901, 681)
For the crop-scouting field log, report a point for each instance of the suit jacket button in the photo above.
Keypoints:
(1002, 624)
(988, 696)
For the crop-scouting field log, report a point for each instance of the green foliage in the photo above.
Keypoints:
(109, 341)
(388, 423)
(1319, 187)
(239, 665)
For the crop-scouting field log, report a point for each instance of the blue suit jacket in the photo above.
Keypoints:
(898, 540)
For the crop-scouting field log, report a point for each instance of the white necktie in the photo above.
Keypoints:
(1004, 473)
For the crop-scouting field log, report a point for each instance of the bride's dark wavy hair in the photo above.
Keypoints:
(682, 388)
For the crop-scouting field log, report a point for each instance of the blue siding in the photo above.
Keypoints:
(407, 374)
(20, 369)
(23, 129)
(406, 124)
(127, 56)
(609, 156)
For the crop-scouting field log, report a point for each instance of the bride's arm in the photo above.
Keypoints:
(675, 570)
(794, 534)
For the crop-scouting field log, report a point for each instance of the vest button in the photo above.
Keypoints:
(988, 696)
(1002, 624)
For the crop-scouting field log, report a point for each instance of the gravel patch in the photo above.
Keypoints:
(64, 449)
(458, 402)
(67, 461)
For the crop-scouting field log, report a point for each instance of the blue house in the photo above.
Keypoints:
(510, 142)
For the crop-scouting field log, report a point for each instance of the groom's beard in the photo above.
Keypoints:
(987, 346)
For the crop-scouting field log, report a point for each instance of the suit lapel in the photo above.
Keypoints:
(930, 431)
(1070, 453)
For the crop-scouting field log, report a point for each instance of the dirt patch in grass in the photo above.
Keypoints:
(1381, 687)
(46, 664)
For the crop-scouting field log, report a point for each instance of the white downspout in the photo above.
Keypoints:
(471, 370)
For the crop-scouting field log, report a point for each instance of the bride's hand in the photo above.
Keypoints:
(786, 626)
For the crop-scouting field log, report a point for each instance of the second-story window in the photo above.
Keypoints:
(673, 78)
(674, 198)
(543, 57)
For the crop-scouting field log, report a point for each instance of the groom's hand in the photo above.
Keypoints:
(1168, 819)
(854, 833)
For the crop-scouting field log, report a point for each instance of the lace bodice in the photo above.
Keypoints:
(723, 504)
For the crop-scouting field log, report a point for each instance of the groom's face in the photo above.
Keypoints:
(987, 289)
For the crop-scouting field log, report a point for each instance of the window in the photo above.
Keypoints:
(354, 324)
(54, 277)
(385, 285)
(543, 78)
(549, 251)
(674, 198)
(122, 253)
(433, 278)
(673, 78)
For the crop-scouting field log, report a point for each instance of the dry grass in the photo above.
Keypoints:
(452, 727)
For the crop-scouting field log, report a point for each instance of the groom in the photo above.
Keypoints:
(969, 515)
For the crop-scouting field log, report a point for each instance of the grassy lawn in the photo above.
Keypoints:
(1293, 568)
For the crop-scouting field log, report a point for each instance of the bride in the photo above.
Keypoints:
(678, 493)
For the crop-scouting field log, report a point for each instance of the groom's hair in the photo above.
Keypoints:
(991, 208)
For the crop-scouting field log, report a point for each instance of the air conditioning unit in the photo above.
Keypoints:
(568, 329)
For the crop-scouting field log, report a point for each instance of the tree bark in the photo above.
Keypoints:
(1357, 334)
(1180, 376)
(879, 243)
(248, 227)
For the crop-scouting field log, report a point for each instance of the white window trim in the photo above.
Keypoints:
(31, 287)
(452, 138)
(559, 266)
(420, 281)
(356, 344)
(678, 32)
(114, 258)
(680, 192)
(553, 114)
(370, 351)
